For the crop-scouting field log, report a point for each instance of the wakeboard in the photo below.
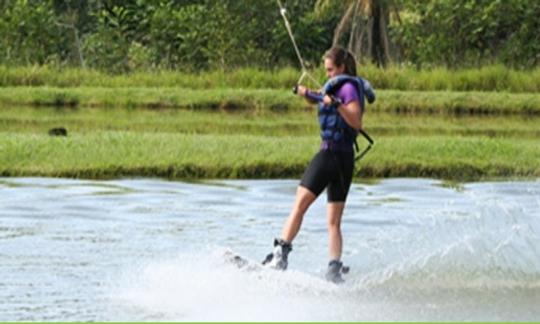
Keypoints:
(246, 264)
(242, 262)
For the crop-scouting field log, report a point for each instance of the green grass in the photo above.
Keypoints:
(296, 123)
(489, 78)
(229, 99)
(172, 155)
(170, 143)
(440, 102)
(247, 124)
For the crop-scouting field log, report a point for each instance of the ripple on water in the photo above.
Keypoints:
(146, 249)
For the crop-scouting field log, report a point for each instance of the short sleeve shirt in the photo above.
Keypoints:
(347, 93)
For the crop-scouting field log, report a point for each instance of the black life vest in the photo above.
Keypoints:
(334, 129)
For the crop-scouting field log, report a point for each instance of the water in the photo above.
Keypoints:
(136, 250)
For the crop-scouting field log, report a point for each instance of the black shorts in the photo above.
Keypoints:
(332, 170)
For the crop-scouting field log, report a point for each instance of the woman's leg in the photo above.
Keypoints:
(312, 184)
(334, 213)
(304, 199)
(337, 190)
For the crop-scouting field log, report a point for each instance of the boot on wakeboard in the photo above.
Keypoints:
(334, 271)
(278, 259)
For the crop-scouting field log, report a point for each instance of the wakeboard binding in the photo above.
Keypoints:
(278, 259)
(335, 270)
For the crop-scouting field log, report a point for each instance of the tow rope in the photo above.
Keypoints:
(305, 73)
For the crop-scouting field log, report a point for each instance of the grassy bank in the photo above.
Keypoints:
(440, 102)
(489, 78)
(114, 154)
(109, 143)
(279, 124)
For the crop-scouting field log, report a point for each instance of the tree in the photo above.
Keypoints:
(69, 21)
(28, 32)
(366, 23)
(470, 32)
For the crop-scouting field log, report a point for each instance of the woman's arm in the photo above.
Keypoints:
(351, 112)
(303, 91)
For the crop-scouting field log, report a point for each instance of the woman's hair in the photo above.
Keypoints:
(341, 56)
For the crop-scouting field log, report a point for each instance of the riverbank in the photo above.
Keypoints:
(247, 124)
(179, 144)
(496, 78)
(180, 156)
(439, 102)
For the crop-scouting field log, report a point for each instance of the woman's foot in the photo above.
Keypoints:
(335, 269)
(278, 259)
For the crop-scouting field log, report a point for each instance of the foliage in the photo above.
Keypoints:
(193, 35)
(431, 102)
(28, 33)
(470, 32)
(365, 24)
(487, 78)
(105, 143)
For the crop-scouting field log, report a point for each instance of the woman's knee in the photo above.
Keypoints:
(304, 198)
(334, 222)
(334, 213)
(334, 226)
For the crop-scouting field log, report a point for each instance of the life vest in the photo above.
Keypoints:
(334, 129)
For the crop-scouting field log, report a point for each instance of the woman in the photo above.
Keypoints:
(340, 118)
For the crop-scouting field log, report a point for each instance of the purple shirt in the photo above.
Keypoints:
(347, 93)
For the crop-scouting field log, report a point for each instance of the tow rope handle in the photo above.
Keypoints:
(370, 141)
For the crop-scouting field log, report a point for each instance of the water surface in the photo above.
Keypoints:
(147, 249)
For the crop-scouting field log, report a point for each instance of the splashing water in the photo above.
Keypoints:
(133, 250)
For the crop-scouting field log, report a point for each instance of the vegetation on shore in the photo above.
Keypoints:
(261, 123)
(487, 78)
(173, 125)
(117, 154)
(110, 143)
(184, 89)
(441, 102)
(125, 36)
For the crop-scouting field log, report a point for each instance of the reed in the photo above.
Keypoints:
(112, 143)
(487, 78)
(439, 102)
(118, 154)
(281, 124)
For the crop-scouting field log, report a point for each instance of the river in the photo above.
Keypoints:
(152, 250)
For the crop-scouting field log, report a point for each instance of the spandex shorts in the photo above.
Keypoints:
(332, 170)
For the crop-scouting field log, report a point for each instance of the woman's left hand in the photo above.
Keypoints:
(327, 100)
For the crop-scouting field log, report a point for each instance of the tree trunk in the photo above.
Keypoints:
(379, 51)
(367, 23)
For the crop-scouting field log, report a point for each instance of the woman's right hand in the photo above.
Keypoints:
(301, 90)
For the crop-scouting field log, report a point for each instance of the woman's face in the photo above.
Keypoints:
(331, 69)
